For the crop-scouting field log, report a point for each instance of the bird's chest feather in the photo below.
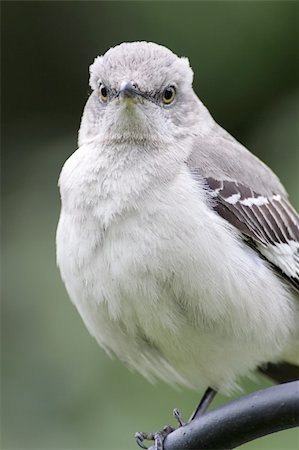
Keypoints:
(124, 239)
(138, 265)
(160, 270)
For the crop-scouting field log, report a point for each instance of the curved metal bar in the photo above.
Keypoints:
(250, 417)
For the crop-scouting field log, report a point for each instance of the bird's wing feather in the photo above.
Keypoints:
(248, 194)
(220, 156)
(270, 222)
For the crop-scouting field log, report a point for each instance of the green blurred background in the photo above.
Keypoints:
(59, 390)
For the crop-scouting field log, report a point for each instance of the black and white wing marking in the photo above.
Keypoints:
(270, 222)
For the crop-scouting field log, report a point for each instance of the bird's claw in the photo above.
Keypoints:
(141, 436)
(157, 437)
(176, 413)
(160, 436)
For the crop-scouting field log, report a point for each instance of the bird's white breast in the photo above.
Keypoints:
(164, 282)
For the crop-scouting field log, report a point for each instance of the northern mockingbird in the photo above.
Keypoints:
(178, 247)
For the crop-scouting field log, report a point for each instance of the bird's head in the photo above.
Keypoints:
(141, 92)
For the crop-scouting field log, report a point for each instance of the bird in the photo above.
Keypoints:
(178, 247)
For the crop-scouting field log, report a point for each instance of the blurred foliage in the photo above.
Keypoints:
(59, 390)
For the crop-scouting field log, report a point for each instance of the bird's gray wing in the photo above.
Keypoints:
(247, 194)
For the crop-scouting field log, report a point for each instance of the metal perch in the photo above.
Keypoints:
(250, 417)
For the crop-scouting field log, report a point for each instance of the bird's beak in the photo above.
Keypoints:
(128, 90)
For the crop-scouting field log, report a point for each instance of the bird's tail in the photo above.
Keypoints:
(281, 372)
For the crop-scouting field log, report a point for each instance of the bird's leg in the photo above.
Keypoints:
(204, 403)
(161, 435)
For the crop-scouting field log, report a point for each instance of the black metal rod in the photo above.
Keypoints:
(240, 421)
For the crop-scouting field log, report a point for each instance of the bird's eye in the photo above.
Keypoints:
(103, 93)
(168, 95)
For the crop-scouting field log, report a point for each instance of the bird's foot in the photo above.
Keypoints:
(159, 436)
(176, 413)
